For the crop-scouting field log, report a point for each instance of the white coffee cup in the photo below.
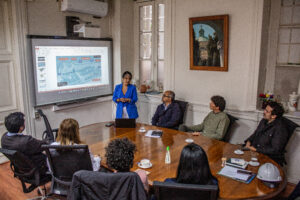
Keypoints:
(145, 163)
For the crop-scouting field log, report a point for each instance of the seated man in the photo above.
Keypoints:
(15, 140)
(215, 124)
(168, 113)
(271, 135)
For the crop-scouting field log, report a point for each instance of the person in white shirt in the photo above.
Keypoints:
(68, 134)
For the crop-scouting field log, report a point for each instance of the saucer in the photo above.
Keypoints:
(239, 152)
(189, 140)
(142, 130)
(144, 167)
(253, 163)
(254, 159)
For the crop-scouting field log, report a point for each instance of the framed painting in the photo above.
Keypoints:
(209, 43)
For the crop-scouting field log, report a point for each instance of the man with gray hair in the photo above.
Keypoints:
(168, 113)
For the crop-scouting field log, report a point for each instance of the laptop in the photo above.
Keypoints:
(125, 123)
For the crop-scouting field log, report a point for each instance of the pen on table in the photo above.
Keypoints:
(244, 172)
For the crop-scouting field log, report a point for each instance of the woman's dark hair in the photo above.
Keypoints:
(219, 101)
(14, 121)
(193, 166)
(120, 154)
(125, 73)
(277, 108)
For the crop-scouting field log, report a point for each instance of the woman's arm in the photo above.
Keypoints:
(134, 97)
(115, 95)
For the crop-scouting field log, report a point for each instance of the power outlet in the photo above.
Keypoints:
(36, 115)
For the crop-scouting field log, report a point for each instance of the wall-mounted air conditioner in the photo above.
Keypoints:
(93, 7)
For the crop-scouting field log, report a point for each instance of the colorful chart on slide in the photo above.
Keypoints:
(78, 70)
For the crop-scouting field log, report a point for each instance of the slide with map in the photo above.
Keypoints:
(67, 70)
(78, 70)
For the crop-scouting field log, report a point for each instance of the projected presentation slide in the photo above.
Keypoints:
(60, 68)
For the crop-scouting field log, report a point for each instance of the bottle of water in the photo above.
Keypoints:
(168, 157)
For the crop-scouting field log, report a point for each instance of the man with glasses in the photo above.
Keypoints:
(168, 113)
(271, 135)
(215, 124)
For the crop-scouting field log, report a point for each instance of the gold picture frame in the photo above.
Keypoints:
(209, 43)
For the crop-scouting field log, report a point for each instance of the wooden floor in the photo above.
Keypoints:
(11, 189)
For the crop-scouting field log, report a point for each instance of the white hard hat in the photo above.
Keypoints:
(269, 172)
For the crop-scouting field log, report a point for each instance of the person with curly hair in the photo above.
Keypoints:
(119, 157)
(215, 124)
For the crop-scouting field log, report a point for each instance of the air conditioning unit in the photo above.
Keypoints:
(93, 7)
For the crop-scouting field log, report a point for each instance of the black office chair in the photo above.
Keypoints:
(48, 133)
(64, 161)
(291, 127)
(101, 185)
(179, 191)
(182, 106)
(227, 135)
(24, 169)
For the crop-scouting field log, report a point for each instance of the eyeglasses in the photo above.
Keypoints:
(166, 96)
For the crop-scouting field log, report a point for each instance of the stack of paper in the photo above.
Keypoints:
(237, 174)
(237, 162)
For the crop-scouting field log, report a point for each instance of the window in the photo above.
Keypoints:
(150, 29)
(289, 34)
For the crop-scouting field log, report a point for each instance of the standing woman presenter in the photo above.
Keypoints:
(125, 96)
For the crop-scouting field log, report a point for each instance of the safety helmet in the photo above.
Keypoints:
(269, 172)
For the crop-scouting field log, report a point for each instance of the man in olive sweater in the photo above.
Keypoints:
(215, 124)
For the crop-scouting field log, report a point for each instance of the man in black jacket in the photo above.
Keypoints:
(168, 113)
(271, 135)
(15, 140)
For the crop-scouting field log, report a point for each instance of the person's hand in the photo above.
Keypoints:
(252, 148)
(196, 133)
(122, 100)
(248, 144)
(127, 100)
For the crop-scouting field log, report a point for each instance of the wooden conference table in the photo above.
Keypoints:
(97, 136)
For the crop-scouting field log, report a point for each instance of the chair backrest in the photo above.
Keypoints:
(21, 163)
(64, 161)
(48, 133)
(179, 191)
(227, 135)
(101, 185)
(290, 125)
(24, 169)
(183, 106)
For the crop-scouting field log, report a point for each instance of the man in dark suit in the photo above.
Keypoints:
(168, 113)
(15, 140)
(271, 135)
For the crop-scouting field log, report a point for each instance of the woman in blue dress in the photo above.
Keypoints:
(193, 167)
(125, 96)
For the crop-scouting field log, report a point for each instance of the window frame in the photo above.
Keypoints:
(154, 40)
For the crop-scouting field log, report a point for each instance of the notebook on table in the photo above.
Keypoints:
(125, 123)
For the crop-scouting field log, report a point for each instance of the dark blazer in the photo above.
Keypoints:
(106, 186)
(27, 145)
(271, 139)
(168, 118)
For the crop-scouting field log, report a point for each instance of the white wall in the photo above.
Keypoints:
(45, 18)
(239, 84)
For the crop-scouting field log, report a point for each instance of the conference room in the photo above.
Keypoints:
(157, 42)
